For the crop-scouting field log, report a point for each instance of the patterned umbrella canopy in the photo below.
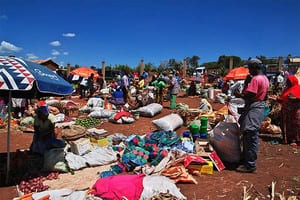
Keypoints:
(19, 78)
(28, 79)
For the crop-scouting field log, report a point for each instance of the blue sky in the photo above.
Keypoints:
(124, 31)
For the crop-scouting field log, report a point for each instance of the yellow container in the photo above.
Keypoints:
(204, 169)
(102, 142)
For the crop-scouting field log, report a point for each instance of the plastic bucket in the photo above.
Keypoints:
(203, 129)
(204, 121)
(194, 128)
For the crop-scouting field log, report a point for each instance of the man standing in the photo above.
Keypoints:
(125, 86)
(90, 83)
(252, 115)
(174, 90)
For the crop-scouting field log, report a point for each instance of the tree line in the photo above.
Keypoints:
(221, 66)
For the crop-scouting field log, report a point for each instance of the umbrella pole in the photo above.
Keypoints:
(8, 138)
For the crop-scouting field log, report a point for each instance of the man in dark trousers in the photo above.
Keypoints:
(252, 115)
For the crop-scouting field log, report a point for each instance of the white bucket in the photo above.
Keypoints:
(211, 93)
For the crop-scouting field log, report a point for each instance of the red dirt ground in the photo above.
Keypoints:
(279, 163)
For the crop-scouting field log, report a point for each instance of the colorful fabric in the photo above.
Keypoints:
(122, 114)
(259, 85)
(294, 89)
(119, 187)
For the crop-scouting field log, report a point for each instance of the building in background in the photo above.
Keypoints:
(50, 64)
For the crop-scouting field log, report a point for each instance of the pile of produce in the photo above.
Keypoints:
(88, 122)
(36, 184)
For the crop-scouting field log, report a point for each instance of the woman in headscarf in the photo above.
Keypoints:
(290, 100)
(44, 136)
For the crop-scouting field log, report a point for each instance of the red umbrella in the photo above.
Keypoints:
(237, 73)
(85, 72)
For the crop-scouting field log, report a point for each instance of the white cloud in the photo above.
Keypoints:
(55, 52)
(69, 34)
(31, 56)
(4, 17)
(6, 47)
(55, 43)
(66, 53)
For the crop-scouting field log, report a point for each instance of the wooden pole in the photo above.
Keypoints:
(8, 138)
(184, 68)
(68, 69)
(230, 63)
(142, 66)
(103, 69)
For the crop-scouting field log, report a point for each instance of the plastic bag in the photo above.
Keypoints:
(100, 156)
(59, 118)
(234, 105)
(159, 184)
(95, 102)
(54, 194)
(102, 113)
(27, 121)
(54, 160)
(150, 110)
(85, 109)
(75, 162)
(205, 106)
(226, 141)
(169, 122)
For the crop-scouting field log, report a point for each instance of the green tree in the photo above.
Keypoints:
(149, 67)
(124, 68)
(192, 61)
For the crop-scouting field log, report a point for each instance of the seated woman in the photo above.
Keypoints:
(44, 137)
(117, 97)
(290, 101)
(192, 89)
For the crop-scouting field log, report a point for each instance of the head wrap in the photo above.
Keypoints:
(43, 110)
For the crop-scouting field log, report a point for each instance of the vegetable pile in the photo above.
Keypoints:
(88, 122)
(36, 184)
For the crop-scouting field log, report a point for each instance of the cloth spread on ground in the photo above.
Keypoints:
(119, 187)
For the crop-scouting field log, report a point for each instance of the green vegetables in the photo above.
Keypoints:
(87, 122)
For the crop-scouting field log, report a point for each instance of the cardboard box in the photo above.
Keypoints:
(203, 169)
(217, 161)
(80, 146)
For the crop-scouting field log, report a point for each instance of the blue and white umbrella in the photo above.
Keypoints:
(24, 79)
(30, 79)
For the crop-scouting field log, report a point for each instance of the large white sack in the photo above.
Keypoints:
(150, 110)
(102, 113)
(95, 102)
(100, 156)
(169, 122)
(75, 162)
(154, 185)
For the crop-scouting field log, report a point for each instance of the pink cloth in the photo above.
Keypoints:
(119, 186)
(259, 85)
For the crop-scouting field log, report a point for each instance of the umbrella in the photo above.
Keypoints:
(237, 73)
(85, 72)
(23, 79)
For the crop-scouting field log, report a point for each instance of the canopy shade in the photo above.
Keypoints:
(85, 72)
(237, 74)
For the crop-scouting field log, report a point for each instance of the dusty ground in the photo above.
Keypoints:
(279, 163)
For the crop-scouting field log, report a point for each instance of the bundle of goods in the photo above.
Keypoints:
(97, 133)
(169, 122)
(267, 127)
(150, 110)
(74, 132)
(122, 117)
(88, 122)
